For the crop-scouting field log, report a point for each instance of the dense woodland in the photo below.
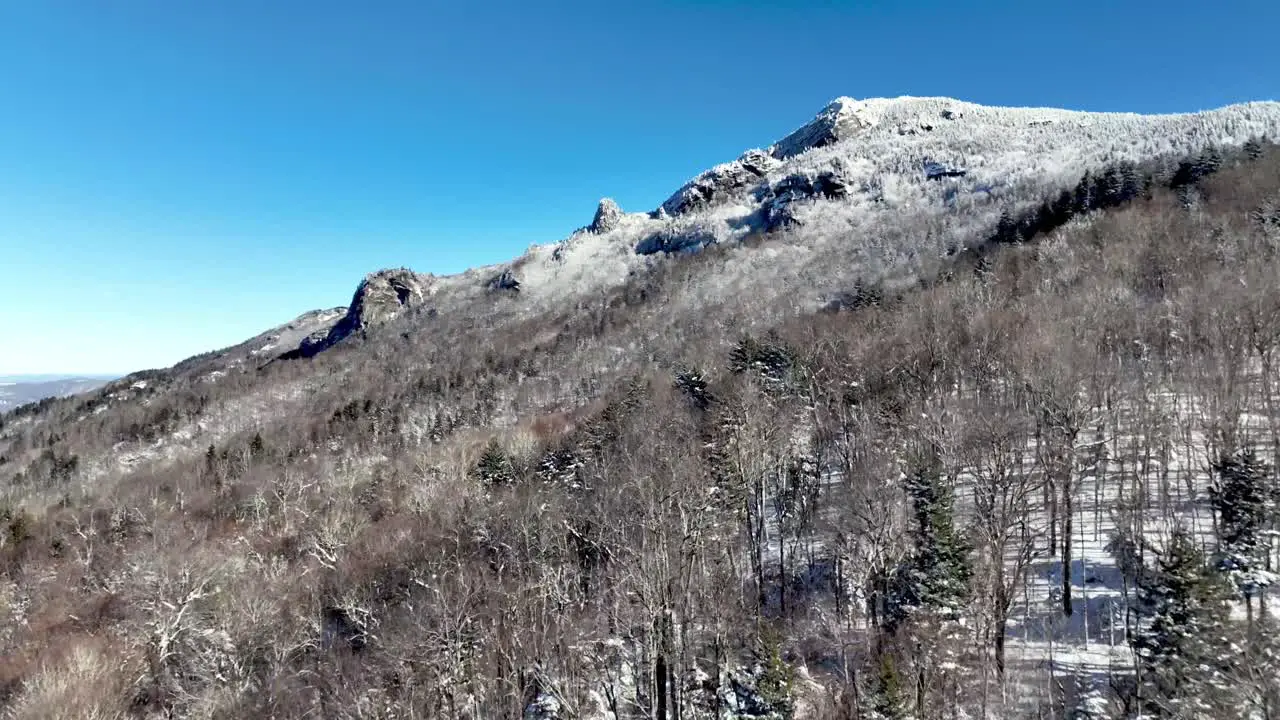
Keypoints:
(836, 516)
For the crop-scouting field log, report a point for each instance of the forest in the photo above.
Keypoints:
(1039, 482)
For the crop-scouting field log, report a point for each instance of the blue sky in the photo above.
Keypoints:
(178, 176)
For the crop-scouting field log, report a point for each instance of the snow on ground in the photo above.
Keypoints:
(1165, 465)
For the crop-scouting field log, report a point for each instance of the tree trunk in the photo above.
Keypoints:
(1066, 541)
(661, 671)
(1002, 625)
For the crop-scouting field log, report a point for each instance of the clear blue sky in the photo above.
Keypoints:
(176, 176)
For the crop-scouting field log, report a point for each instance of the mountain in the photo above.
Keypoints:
(18, 390)
(858, 168)
(926, 407)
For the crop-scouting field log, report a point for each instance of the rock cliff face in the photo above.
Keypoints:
(720, 182)
(505, 280)
(673, 240)
(608, 217)
(842, 119)
(380, 298)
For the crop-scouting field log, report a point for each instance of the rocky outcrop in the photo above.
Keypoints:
(779, 215)
(505, 280)
(779, 211)
(309, 327)
(934, 170)
(380, 298)
(608, 216)
(719, 183)
(799, 186)
(672, 240)
(843, 118)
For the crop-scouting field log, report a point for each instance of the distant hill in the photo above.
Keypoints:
(18, 390)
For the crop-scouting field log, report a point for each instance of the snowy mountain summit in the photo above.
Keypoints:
(840, 120)
(861, 163)
(830, 192)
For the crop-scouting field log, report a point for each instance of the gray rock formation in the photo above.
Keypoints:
(779, 211)
(720, 182)
(379, 299)
(505, 280)
(608, 215)
(673, 240)
(837, 121)
(802, 186)
(936, 170)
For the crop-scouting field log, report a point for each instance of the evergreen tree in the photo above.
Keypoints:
(693, 384)
(1243, 501)
(1259, 672)
(772, 360)
(935, 577)
(1083, 200)
(257, 446)
(1133, 181)
(1007, 228)
(1195, 169)
(775, 679)
(887, 702)
(494, 467)
(1061, 209)
(1184, 650)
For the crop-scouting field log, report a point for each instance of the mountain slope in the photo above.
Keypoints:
(594, 482)
(861, 169)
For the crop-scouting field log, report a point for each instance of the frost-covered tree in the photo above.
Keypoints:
(1243, 501)
(1258, 676)
(1184, 648)
(935, 576)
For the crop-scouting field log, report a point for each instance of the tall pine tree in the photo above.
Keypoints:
(886, 701)
(1243, 500)
(935, 576)
(1184, 648)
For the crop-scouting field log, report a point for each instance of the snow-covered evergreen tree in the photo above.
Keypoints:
(935, 577)
(494, 467)
(886, 701)
(1243, 501)
(1184, 648)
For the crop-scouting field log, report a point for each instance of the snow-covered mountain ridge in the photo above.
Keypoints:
(860, 166)
(929, 154)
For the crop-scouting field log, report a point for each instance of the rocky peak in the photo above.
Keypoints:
(720, 182)
(608, 216)
(505, 280)
(383, 294)
(379, 299)
(842, 118)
